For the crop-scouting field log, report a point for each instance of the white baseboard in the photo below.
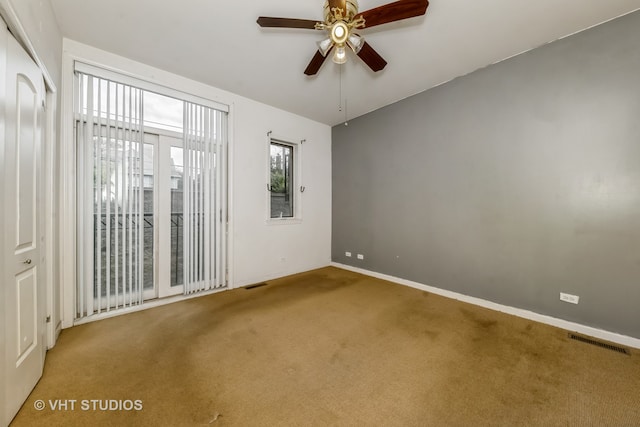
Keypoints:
(525, 314)
(177, 298)
(239, 283)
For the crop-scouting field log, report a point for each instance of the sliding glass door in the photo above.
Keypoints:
(151, 196)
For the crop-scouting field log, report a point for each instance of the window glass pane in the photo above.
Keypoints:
(281, 181)
(148, 215)
(177, 223)
(116, 203)
(109, 98)
(163, 112)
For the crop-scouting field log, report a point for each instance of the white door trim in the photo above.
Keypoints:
(3, 78)
(10, 17)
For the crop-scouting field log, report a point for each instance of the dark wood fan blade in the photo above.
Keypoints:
(395, 11)
(265, 21)
(316, 63)
(371, 57)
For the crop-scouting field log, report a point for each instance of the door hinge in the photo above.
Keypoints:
(48, 319)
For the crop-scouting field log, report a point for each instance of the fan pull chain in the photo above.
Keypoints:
(340, 89)
(346, 123)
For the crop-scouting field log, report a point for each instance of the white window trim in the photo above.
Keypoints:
(297, 177)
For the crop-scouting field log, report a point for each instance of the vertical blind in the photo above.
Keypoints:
(204, 206)
(109, 135)
(116, 185)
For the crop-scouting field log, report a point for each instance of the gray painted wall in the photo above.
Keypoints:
(512, 184)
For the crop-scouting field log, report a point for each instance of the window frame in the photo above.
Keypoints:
(296, 189)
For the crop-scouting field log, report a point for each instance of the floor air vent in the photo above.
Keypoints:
(599, 343)
(257, 285)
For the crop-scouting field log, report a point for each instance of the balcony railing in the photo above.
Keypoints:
(125, 222)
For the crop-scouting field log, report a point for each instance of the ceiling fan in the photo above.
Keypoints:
(341, 20)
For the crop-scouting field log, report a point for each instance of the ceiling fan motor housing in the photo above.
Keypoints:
(351, 10)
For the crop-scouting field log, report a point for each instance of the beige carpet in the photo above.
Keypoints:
(331, 347)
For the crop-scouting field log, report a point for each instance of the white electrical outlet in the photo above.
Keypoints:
(360, 256)
(347, 254)
(573, 299)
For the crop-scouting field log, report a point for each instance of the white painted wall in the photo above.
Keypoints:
(256, 248)
(266, 249)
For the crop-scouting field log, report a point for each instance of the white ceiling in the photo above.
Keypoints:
(219, 43)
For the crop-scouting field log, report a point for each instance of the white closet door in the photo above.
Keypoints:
(22, 277)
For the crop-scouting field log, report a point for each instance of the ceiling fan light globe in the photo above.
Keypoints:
(355, 42)
(340, 55)
(324, 46)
